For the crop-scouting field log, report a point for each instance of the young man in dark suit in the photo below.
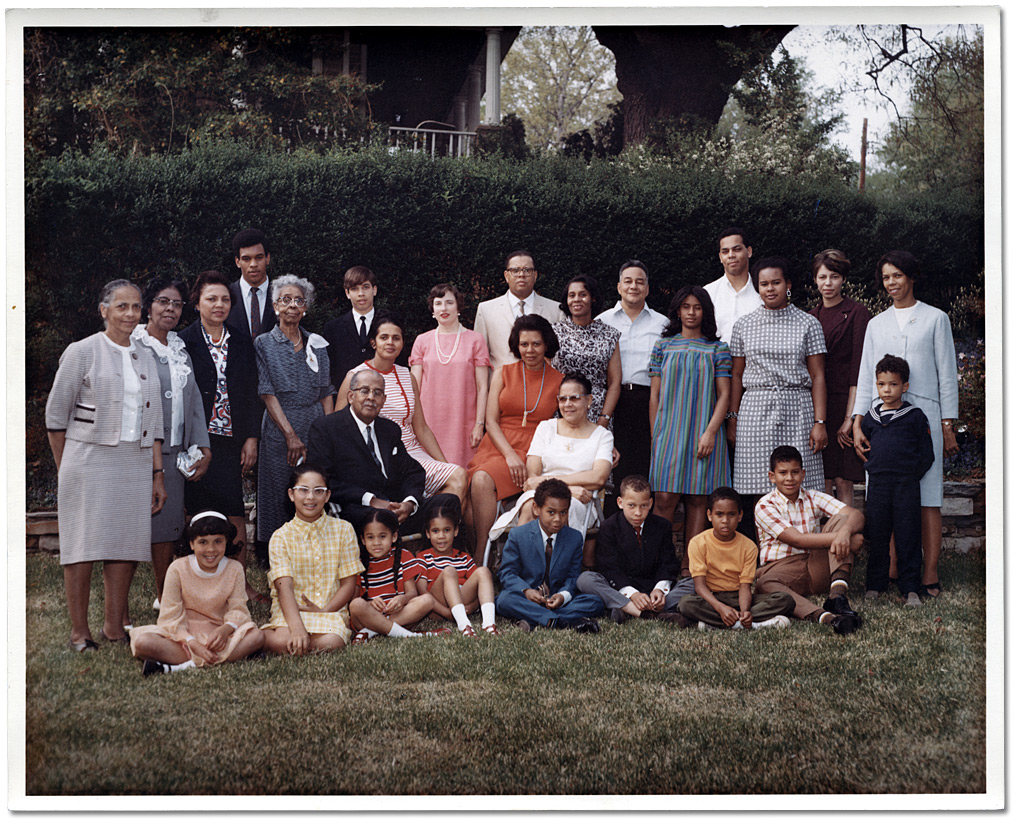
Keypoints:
(348, 334)
(635, 560)
(251, 305)
(367, 464)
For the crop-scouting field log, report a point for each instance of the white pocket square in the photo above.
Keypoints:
(394, 453)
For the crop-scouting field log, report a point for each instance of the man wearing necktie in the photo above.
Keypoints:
(251, 307)
(347, 334)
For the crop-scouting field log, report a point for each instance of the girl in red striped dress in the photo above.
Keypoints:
(389, 603)
(451, 577)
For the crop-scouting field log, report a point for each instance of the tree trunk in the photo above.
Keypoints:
(682, 72)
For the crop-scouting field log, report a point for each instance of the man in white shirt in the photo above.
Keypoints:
(734, 294)
(251, 305)
(496, 317)
(640, 327)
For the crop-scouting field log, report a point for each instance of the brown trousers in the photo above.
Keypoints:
(800, 575)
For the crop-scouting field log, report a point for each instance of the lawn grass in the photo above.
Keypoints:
(642, 708)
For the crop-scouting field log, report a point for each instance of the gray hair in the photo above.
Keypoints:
(106, 296)
(290, 280)
(359, 378)
(626, 265)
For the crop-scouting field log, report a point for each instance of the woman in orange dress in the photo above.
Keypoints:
(521, 394)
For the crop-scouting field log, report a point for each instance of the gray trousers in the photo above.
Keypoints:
(592, 582)
(763, 606)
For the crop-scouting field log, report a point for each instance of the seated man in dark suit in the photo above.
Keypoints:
(635, 560)
(367, 464)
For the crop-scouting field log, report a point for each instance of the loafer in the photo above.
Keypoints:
(619, 616)
(839, 605)
(844, 624)
(586, 625)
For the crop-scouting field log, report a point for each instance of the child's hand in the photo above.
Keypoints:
(395, 604)
(218, 638)
(535, 595)
(727, 615)
(309, 606)
(657, 600)
(554, 602)
(379, 604)
(641, 601)
(203, 652)
(745, 618)
(300, 642)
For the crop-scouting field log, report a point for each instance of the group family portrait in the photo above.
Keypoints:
(582, 410)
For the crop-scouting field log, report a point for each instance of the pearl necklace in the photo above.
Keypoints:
(524, 379)
(456, 342)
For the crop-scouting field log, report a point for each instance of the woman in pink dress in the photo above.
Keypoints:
(403, 406)
(451, 365)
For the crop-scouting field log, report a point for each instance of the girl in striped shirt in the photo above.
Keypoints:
(389, 602)
(451, 577)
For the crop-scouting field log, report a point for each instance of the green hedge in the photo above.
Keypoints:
(417, 221)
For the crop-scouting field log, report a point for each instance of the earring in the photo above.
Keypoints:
(789, 294)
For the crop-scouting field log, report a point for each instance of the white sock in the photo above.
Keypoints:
(182, 666)
(825, 614)
(460, 616)
(400, 631)
(488, 614)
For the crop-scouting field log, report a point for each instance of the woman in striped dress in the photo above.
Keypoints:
(690, 369)
(403, 406)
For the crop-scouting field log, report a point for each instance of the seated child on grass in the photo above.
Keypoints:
(796, 556)
(723, 564)
(203, 615)
(313, 571)
(389, 603)
(541, 563)
(900, 453)
(451, 577)
(636, 561)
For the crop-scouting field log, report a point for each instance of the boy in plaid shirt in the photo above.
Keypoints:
(799, 558)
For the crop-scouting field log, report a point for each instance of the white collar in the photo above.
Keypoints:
(361, 425)
(206, 574)
(248, 287)
(547, 536)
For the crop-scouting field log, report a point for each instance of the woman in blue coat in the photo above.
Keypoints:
(921, 334)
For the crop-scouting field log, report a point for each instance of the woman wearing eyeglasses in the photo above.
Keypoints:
(184, 422)
(295, 387)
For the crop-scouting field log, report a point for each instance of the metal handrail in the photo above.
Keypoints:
(458, 144)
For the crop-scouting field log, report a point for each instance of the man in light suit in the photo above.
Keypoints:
(251, 305)
(365, 460)
(541, 563)
(496, 316)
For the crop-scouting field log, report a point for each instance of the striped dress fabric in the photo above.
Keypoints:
(433, 564)
(687, 370)
(379, 575)
(399, 408)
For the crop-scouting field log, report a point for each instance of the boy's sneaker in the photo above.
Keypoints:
(839, 605)
(150, 667)
(844, 624)
(776, 622)
(913, 600)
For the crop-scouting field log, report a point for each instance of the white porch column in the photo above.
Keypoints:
(474, 101)
(492, 61)
(460, 113)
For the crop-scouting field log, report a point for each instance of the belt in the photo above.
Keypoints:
(635, 387)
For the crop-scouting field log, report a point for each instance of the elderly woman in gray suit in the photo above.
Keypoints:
(184, 422)
(104, 420)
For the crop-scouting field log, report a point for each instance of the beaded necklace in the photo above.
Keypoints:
(524, 379)
(456, 342)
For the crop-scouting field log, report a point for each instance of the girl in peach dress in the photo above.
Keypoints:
(203, 615)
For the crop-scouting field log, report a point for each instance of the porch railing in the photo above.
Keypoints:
(437, 142)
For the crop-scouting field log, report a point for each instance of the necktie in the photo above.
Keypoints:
(637, 530)
(256, 316)
(545, 589)
(363, 332)
(521, 305)
(371, 448)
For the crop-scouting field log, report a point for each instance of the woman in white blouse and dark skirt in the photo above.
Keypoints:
(105, 427)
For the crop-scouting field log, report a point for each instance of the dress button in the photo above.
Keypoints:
(146, 404)
(134, 356)
(169, 394)
(142, 377)
(145, 433)
(162, 359)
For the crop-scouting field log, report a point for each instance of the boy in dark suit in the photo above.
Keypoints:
(348, 334)
(635, 560)
(541, 563)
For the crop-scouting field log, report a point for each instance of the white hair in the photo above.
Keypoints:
(290, 280)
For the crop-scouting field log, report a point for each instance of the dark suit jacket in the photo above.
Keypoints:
(242, 378)
(345, 350)
(625, 563)
(523, 563)
(239, 313)
(335, 443)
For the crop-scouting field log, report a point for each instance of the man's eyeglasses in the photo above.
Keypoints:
(522, 271)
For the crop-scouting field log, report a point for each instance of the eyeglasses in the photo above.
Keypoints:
(369, 391)
(286, 301)
(575, 397)
(522, 271)
(304, 490)
(165, 302)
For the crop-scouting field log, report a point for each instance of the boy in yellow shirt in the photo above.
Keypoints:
(723, 564)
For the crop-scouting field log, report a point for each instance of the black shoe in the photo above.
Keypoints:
(619, 616)
(524, 625)
(150, 667)
(586, 626)
(844, 624)
(839, 605)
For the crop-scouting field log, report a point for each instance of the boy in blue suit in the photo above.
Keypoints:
(541, 563)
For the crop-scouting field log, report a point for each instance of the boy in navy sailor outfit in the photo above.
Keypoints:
(900, 454)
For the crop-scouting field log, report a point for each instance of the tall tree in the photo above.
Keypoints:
(558, 79)
(682, 73)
